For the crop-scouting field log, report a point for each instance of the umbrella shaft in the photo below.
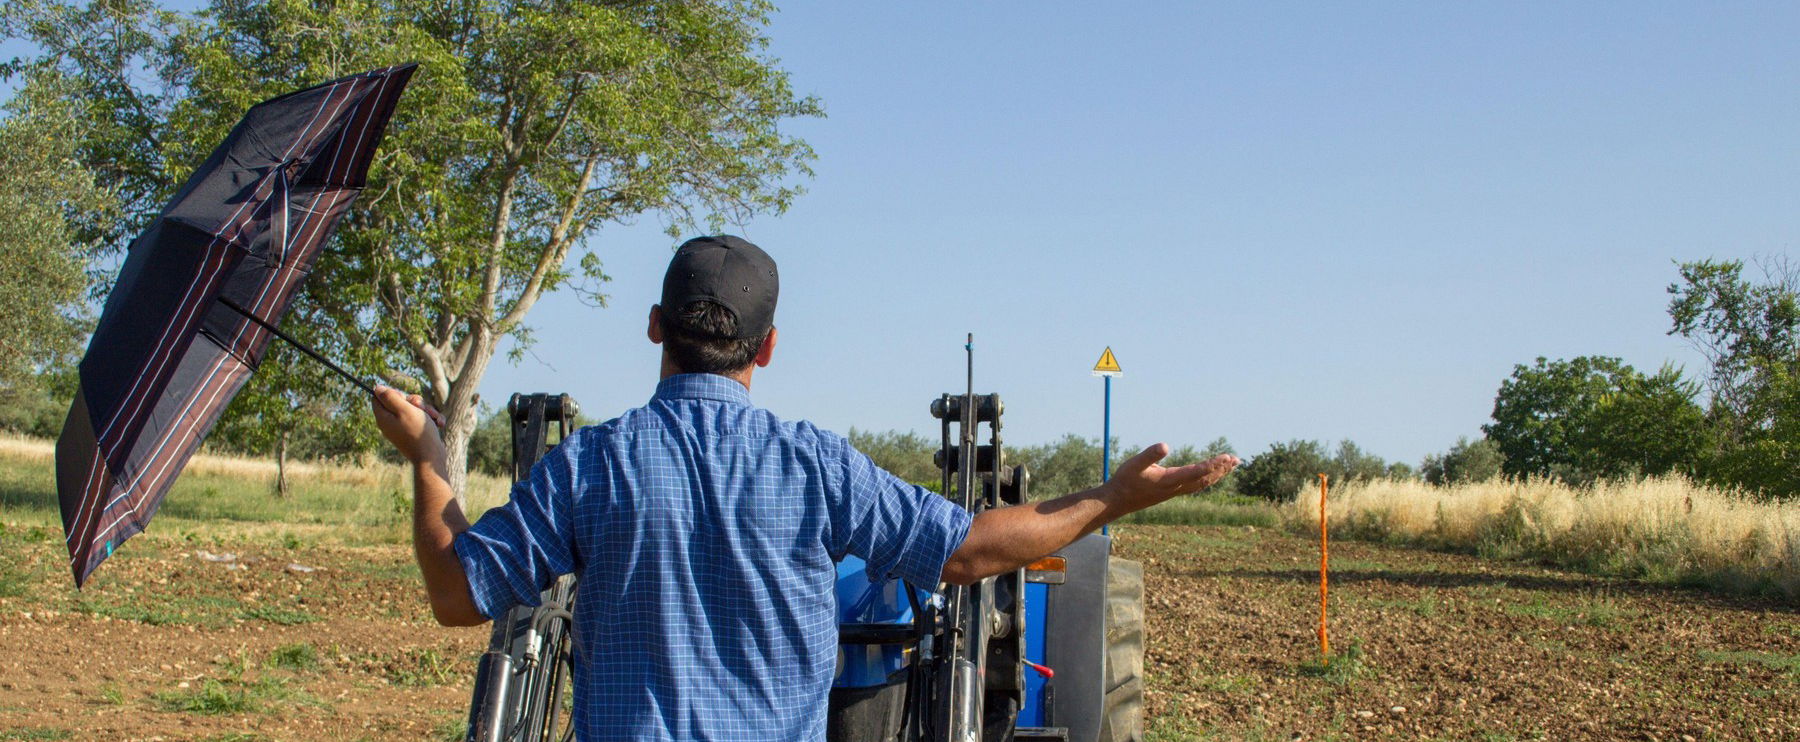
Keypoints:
(302, 347)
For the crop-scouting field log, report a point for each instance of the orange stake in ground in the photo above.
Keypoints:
(1324, 551)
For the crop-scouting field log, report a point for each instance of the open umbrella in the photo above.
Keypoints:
(196, 301)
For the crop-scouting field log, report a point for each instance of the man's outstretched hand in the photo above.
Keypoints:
(1005, 539)
(410, 424)
(1140, 483)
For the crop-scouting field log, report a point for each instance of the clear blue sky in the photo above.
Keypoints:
(1289, 220)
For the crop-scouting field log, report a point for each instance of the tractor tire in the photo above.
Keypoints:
(1123, 720)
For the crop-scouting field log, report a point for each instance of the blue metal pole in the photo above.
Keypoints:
(1106, 445)
(1106, 436)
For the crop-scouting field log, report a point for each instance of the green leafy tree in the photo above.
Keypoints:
(1595, 417)
(1766, 459)
(529, 126)
(908, 455)
(1467, 461)
(490, 446)
(115, 58)
(1069, 464)
(1187, 454)
(1750, 334)
(42, 255)
(1282, 471)
(1352, 464)
(1278, 473)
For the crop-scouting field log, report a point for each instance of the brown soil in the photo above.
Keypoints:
(163, 645)
(166, 645)
(1451, 647)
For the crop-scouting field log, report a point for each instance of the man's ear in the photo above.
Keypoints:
(768, 349)
(655, 331)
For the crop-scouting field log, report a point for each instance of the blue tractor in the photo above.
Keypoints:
(1050, 652)
(1053, 651)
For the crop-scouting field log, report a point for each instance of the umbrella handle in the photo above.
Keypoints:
(302, 347)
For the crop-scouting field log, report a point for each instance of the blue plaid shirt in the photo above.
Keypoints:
(704, 531)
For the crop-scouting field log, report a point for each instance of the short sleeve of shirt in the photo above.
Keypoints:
(516, 550)
(900, 529)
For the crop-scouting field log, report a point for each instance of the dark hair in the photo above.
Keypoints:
(699, 339)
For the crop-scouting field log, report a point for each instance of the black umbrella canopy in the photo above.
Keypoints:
(174, 343)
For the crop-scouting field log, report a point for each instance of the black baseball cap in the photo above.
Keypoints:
(729, 271)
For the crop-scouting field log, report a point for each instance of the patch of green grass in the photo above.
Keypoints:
(1209, 510)
(112, 695)
(33, 734)
(421, 667)
(22, 568)
(1174, 729)
(279, 615)
(450, 730)
(1598, 610)
(298, 657)
(1787, 664)
(14, 581)
(1341, 668)
(1783, 629)
(201, 610)
(212, 698)
(234, 691)
(231, 694)
(1228, 683)
(1424, 606)
(389, 571)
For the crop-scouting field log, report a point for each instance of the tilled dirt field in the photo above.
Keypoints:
(1446, 647)
(175, 641)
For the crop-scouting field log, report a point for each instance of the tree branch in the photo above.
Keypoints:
(556, 249)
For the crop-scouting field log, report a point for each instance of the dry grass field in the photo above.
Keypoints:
(1666, 530)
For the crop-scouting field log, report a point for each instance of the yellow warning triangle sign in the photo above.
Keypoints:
(1108, 365)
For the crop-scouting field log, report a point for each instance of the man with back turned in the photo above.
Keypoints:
(704, 529)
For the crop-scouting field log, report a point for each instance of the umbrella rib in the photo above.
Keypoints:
(302, 347)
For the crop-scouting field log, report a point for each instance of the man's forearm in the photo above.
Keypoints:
(437, 519)
(1005, 539)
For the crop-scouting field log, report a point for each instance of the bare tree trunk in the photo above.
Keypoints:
(281, 449)
(458, 427)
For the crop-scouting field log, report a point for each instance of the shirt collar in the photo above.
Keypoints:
(702, 386)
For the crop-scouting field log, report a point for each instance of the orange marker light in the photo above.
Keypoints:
(1048, 564)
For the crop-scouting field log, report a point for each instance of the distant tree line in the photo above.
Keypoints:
(1738, 426)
